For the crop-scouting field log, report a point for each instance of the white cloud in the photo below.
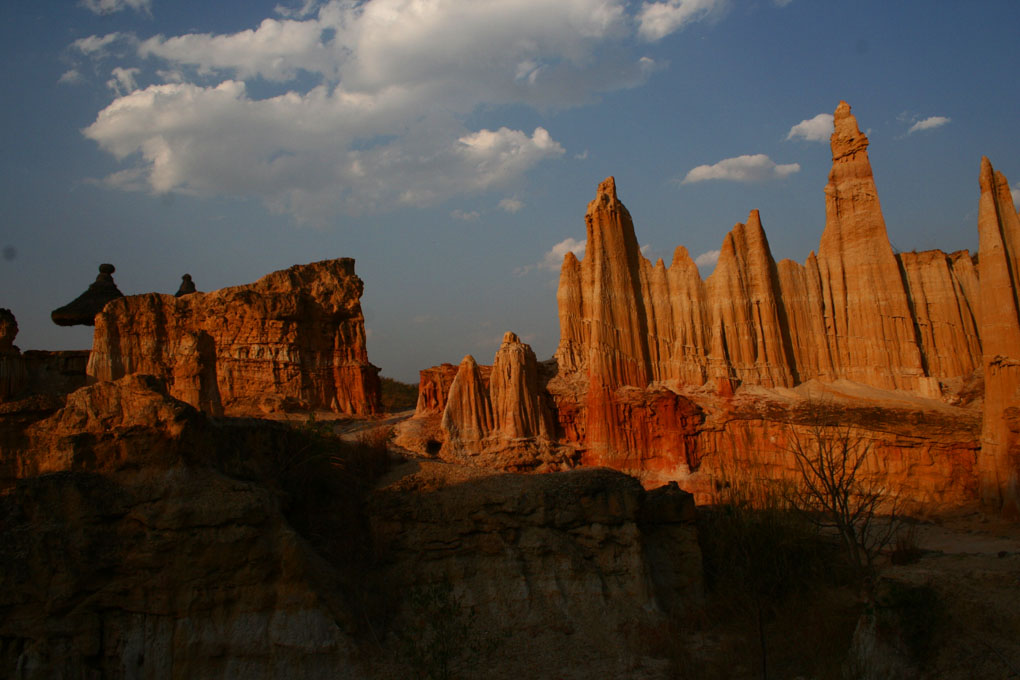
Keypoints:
(511, 205)
(817, 129)
(553, 258)
(656, 20)
(111, 6)
(301, 12)
(465, 216)
(96, 45)
(1015, 191)
(707, 259)
(383, 122)
(756, 168)
(123, 80)
(70, 77)
(929, 123)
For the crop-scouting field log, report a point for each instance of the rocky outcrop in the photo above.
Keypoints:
(999, 327)
(35, 372)
(570, 554)
(83, 309)
(855, 311)
(652, 357)
(294, 339)
(868, 323)
(498, 416)
(12, 370)
(139, 535)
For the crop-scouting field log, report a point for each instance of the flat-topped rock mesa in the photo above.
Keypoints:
(651, 356)
(294, 339)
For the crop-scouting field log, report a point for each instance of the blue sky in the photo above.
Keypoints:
(450, 146)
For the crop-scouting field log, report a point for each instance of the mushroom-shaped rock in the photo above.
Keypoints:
(187, 286)
(83, 309)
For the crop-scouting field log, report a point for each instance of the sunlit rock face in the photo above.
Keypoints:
(999, 272)
(294, 339)
(653, 360)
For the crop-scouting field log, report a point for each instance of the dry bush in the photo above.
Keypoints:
(835, 490)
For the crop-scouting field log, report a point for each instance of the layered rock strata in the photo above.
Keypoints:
(294, 339)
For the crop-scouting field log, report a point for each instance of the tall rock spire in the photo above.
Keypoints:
(868, 320)
(999, 321)
(612, 308)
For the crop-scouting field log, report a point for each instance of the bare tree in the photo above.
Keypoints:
(837, 492)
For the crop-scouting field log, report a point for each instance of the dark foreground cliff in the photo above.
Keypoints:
(140, 538)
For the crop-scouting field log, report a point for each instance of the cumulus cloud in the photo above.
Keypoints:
(111, 6)
(553, 258)
(304, 10)
(656, 20)
(382, 122)
(756, 168)
(817, 129)
(707, 259)
(96, 45)
(70, 77)
(465, 216)
(929, 123)
(511, 205)
(123, 80)
(1015, 191)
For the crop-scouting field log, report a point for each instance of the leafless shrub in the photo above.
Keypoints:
(835, 490)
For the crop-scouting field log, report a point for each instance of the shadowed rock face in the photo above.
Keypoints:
(187, 286)
(294, 339)
(83, 309)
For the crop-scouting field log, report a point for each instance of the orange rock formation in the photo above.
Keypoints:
(293, 339)
(650, 356)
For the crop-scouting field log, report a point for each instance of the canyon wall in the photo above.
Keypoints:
(293, 340)
(652, 357)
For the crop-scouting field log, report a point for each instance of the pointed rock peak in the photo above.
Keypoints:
(846, 138)
(991, 179)
(754, 221)
(511, 338)
(468, 362)
(605, 197)
(570, 260)
(682, 256)
(659, 264)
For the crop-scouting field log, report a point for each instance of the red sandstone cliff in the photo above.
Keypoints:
(293, 339)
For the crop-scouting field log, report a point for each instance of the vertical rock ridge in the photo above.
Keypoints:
(612, 307)
(869, 326)
(467, 418)
(517, 411)
(999, 270)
